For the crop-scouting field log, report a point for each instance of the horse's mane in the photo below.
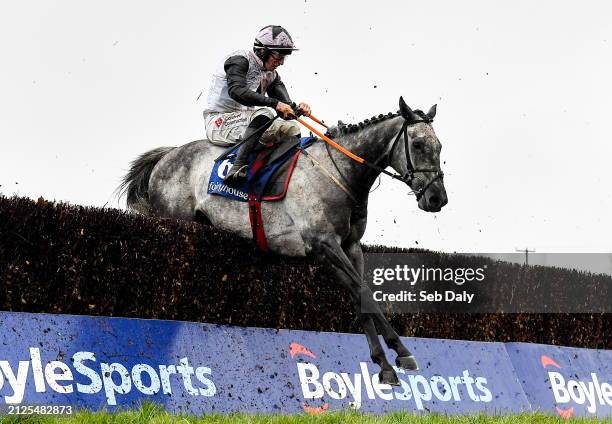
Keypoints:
(343, 128)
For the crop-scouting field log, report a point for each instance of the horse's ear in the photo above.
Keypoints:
(406, 112)
(432, 112)
(405, 109)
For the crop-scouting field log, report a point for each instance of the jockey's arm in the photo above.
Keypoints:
(236, 68)
(277, 90)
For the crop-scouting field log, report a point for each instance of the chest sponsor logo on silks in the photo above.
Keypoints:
(219, 122)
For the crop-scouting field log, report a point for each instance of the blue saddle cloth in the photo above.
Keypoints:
(264, 167)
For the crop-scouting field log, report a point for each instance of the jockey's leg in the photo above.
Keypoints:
(240, 169)
(278, 130)
(281, 130)
(225, 129)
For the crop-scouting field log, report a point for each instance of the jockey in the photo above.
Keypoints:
(237, 105)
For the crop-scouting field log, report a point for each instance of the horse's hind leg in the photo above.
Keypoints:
(332, 254)
(404, 358)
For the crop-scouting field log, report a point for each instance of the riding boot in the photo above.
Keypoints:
(239, 171)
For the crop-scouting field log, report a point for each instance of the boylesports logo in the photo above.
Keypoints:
(590, 393)
(113, 379)
(358, 387)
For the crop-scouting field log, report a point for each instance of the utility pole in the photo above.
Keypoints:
(527, 252)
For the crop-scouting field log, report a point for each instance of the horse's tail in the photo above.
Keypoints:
(135, 184)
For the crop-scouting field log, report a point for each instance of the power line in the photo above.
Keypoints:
(527, 252)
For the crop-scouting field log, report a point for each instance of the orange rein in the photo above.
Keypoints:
(329, 140)
(318, 121)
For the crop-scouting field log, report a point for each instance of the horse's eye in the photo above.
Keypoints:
(418, 145)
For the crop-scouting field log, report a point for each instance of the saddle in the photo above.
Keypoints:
(270, 170)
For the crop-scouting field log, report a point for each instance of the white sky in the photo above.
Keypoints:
(523, 88)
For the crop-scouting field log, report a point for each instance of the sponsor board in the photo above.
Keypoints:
(564, 381)
(105, 363)
(332, 371)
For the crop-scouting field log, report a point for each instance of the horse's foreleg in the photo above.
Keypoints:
(332, 254)
(387, 374)
(404, 358)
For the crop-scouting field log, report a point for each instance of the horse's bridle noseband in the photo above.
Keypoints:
(408, 177)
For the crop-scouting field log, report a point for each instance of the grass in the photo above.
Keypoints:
(154, 414)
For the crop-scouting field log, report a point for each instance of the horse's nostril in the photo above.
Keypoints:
(434, 201)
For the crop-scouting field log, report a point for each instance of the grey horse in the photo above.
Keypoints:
(325, 211)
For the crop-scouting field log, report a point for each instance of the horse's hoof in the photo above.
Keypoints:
(407, 363)
(388, 377)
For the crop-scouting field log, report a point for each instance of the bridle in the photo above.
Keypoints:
(409, 176)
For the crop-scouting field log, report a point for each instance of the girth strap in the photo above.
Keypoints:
(259, 233)
(257, 225)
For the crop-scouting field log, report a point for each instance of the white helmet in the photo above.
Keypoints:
(274, 37)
